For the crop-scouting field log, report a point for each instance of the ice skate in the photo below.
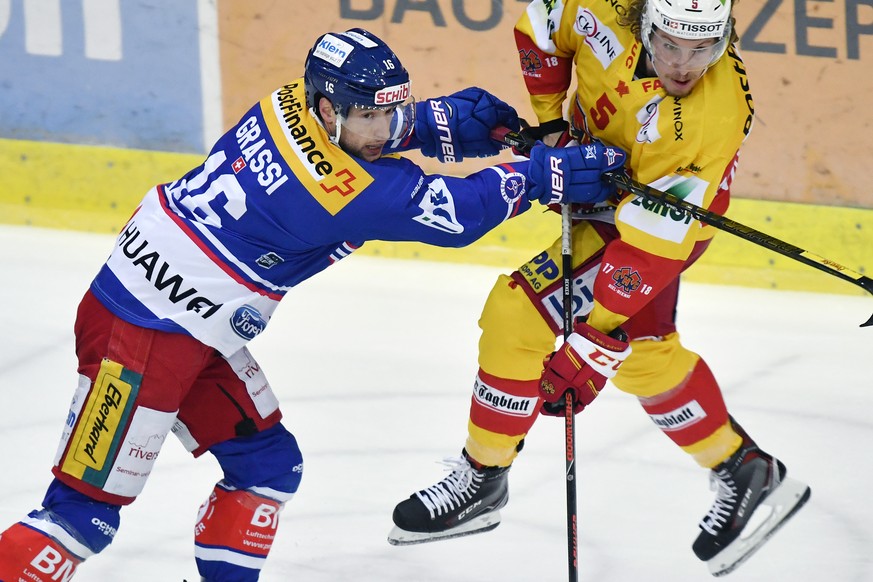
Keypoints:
(753, 500)
(465, 502)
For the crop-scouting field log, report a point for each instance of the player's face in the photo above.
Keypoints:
(680, 63)
(365, 131)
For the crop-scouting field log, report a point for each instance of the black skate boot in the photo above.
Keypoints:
(753, 500)
(466, 502)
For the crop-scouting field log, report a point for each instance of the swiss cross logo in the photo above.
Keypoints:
(238, 165)
(345, 187)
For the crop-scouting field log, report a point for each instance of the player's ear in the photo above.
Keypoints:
(327, 113)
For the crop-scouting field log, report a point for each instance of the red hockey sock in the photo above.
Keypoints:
(30, 551)
(501, 413)
(504, 406)
(692, 411)
(235, 527)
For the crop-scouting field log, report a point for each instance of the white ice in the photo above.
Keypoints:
(374, 360)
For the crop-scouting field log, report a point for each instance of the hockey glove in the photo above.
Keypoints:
(582, 365)
(459, 126)
(573, 173)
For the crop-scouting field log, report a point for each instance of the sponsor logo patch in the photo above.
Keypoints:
(104, 411)
(145, 434)
(583, 295)
(394, 94)
(680, 418)
(691, 29)
(501, 402)
(662, 221)
(360, 38)
(247, 322)
(600, 38)
(648, 118)
(95, 442)
(161, 274)
(333, 50)
(330, 175)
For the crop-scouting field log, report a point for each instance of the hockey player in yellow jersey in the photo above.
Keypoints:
(662, 80)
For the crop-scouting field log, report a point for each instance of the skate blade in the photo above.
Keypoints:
(481, 524)
(781, 504)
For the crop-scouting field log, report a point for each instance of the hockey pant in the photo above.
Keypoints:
(520, 322)
(136, 385)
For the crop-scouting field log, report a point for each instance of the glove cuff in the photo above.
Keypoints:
(601, 352)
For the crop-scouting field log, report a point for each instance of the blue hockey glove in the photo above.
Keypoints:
(458, 126)
(572, 174)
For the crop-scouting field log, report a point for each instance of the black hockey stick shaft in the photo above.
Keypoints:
(569, 405)
(622, 181)
(507, 136)
(748, 233)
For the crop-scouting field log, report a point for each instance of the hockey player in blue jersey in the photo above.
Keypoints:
(307, 175)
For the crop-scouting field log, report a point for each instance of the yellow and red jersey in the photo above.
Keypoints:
(687, 146)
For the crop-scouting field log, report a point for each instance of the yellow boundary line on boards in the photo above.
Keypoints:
(95, 189)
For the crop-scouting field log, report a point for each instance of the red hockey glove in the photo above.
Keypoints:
(582, 365)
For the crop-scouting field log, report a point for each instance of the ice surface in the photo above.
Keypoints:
(374, 360)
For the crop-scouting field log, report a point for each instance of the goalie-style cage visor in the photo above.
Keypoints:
(692, 20)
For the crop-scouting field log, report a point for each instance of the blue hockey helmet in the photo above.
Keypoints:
(354, 69)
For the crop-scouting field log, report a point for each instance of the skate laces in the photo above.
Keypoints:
(459, 486)
(725, 488)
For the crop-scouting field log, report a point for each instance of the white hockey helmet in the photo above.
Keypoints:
(690, 20)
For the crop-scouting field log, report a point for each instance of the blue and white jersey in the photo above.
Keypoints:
(275, 202)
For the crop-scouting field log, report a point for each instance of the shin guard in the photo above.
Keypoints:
(235, 530)
(35, 550)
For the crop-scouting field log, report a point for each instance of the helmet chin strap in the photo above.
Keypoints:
(335, 139)
(339, 129)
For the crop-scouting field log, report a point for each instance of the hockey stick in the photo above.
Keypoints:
(501, 134)
(569, 415)
(622, 181)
